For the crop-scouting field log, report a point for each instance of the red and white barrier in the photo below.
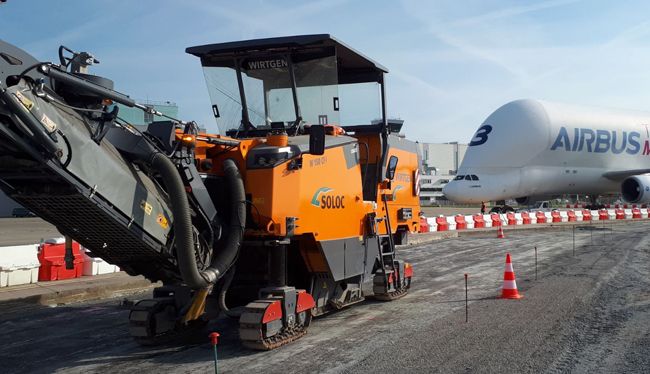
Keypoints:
(555, 216)
(572, 216)
(496, 220)
(469, 220)
(479, 222)
(628, 213)
(603, 215)
(619, 213)
(97, 266)
(487, 218)
(433, 224)
(18, 265)
(611, 213)
(564, 216)
(460, 222)
(442, 224)
(451, 223)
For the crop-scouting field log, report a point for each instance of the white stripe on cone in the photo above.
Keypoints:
(510, 285)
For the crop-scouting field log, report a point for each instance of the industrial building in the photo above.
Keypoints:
(440, 162)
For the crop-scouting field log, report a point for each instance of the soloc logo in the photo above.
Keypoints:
(481, 135)
(323, 199)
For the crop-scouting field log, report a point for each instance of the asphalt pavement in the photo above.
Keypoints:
(587, 312)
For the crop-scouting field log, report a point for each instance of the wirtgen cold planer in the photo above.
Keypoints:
(290, 212)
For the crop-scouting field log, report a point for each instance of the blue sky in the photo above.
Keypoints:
(451, 62)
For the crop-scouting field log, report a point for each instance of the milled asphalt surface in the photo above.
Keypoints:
(584, 313)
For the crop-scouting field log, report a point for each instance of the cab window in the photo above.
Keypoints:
(474, 177)
(468, 178)
(459, 177)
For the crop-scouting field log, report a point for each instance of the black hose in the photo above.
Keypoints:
(183, 231)
(222, 296)
(235, 232)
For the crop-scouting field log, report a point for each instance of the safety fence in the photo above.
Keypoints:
(25, 264)
(478, 221)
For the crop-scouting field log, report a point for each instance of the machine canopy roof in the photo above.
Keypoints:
(352, 66)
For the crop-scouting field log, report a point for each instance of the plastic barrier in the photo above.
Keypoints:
(18, 265)
(572, 216)
(564, 216)
(636, 213)
(595, 215)
(586, 214)
(611, 213)
(580, 216)
(469, 220)
(96, 266)
(460, 222)
(645, 213)
(549, 217)
(51, 256)
(628, 213)
(510, 218)
(487, 218)
(433, 224)
(496, 220)
(603, 215)
(619, 213)
(540, 217)
(525, 218)
(424, 226)
(441, 221)
(451, 223)
(555, 216)
(519, 220)
(479, 222)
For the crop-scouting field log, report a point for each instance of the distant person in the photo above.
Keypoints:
(482, 207)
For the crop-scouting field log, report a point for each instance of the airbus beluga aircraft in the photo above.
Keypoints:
(530, 150)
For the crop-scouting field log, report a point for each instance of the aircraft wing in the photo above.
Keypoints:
(617, 175)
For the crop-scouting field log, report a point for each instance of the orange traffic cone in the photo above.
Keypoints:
(509, 290)
(500, 234)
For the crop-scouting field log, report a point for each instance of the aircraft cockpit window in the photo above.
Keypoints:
(474, 177)
(468, 177)
(459, 177)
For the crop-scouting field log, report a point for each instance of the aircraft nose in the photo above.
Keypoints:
(450, 190)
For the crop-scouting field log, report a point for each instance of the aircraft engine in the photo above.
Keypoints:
(636, 189)
(524, 200)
